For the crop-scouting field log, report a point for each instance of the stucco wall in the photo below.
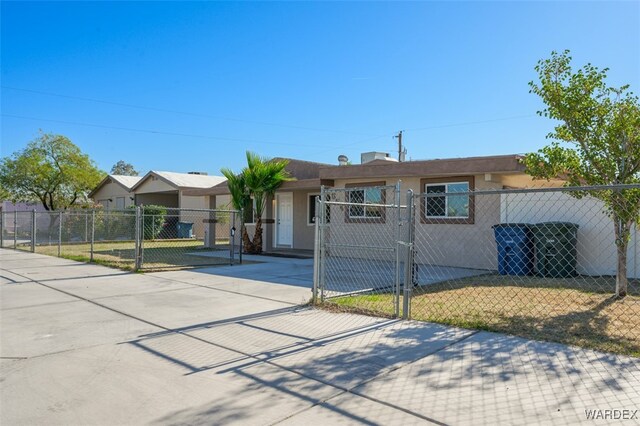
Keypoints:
(112, 191)
(458, 245)
(303, 233)
(153, 184)
(596, 250)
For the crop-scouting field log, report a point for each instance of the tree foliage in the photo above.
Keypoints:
(258, 181)
(123, 168)
(51, 170)
(596, 142)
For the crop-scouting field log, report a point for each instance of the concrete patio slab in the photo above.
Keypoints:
(368, 352)
(43, 329)
(124, 384)
(109, 285)
(237, 350)
(189, 306)
(349, 409)
(20, 295)
(496, 379)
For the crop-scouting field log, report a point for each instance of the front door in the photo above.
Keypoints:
(284, 219)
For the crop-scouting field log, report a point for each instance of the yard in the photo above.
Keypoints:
(157, 254)
(578, 311)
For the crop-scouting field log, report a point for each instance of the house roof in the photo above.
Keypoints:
(127, 182)
(182, 180)
(437, 167)
(305, 173)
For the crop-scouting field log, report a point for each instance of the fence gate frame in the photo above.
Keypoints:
(401, 241)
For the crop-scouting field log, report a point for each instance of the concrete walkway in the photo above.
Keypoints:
(83, 344)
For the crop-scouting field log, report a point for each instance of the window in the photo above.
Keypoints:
(104, 204)
(120, 203)
(311, 209)
(370, 198)
(448, 207)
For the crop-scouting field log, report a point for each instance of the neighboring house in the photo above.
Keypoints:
(170, 189)
(114, 192)
(22, 218)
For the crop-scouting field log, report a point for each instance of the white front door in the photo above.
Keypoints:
(284, 219)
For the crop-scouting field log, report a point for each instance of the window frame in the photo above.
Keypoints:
(470, 220)
(364, 219)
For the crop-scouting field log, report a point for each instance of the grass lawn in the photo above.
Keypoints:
(157, 254)
(578, 311)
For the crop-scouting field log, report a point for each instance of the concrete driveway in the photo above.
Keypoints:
(83, 344)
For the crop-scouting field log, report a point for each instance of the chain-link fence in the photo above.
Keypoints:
(560, 264)
(135, 238)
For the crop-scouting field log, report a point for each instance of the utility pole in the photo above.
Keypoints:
(401, 151)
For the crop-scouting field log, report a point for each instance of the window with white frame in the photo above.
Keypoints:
(368, 202)
(448, 205)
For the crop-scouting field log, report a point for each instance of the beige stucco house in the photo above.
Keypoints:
(114, 192)
(289, 217)
(159, 188)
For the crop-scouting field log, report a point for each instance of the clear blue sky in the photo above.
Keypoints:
(302, 80)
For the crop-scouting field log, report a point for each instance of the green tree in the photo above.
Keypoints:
(50, 170)
(124, 169)
(258, 181)
(596, 142)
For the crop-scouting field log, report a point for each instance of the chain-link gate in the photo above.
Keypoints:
(559, 264)
(362, 245)
(137, 238)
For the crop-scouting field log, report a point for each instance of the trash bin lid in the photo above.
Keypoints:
(555, 227)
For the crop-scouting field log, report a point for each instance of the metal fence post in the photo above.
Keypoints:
(316, 255)
(59, 233)
(93, 233)
(322, 250)
(15, 229)
(33, 231)
(241, 218)
(137, 250)
(409, 259)
(2, 218)
(397, 249)
(232, 237)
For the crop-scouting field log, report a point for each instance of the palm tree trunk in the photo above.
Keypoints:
(257, 237)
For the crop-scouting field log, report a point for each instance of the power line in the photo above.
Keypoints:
(156, 132)
(171, 111)
(468, 123)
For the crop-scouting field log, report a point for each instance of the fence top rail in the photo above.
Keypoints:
(358, 188)
(120, 211)
(343, 203)
(595, 188)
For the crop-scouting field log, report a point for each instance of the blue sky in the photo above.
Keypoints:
(191, 86)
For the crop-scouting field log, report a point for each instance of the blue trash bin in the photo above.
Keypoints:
(515, 248)
(185, 230)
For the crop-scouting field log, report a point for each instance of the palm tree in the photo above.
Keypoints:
(258, 181)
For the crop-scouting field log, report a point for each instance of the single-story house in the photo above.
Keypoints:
(450, 231)
(114, 192)
(159, 188)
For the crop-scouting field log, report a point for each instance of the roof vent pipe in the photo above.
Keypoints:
(343, 160)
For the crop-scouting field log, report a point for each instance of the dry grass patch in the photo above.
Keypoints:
(578, 311)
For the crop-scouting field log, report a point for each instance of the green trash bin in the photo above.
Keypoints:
(555, 249)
